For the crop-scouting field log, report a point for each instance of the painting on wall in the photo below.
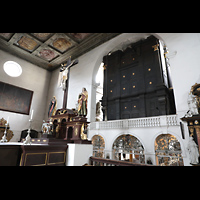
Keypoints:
(15, 99)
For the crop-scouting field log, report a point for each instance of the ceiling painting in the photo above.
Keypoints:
(27, 43)
(50, 50)
(61, 44)
(47, 54)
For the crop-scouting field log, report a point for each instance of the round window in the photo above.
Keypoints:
(12, 68)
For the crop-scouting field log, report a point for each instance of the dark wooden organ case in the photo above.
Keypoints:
(136, 84)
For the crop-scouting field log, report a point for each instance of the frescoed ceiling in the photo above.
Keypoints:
(50, 50)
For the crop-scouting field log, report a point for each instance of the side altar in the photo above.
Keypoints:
(65, 124)
(192, 117)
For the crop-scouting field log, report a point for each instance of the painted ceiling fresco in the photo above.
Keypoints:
(50, 50)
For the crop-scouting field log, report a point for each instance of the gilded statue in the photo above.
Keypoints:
(82, 103)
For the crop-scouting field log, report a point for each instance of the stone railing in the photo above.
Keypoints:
(165, 120)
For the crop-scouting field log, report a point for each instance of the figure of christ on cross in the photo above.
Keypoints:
(64, 77)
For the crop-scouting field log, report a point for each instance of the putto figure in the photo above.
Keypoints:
(82, 103)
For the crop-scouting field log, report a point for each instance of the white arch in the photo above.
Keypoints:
(171, 133)
(126, 133)
(100, 134)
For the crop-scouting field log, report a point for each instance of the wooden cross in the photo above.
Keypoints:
(68, 65)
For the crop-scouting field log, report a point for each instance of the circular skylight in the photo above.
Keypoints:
(12, 68)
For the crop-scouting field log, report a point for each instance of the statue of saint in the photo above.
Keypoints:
(192, 104)
(82, 103)
(193, 151)
(52, 107)
(98, 112)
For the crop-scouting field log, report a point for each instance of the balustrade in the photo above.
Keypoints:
(168, 120)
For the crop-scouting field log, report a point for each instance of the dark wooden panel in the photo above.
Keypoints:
(10, 155)
(56, 158)
(43, 155)
(133, 83)
(33, 159)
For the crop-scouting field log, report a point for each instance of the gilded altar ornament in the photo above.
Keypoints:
(76, 131)
(3, 122)
(83, 132)
(5, 127)
(47, 127)
(155, 47)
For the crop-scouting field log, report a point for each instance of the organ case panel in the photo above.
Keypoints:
(133, 83)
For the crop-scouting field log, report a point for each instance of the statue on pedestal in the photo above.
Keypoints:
(193, 101)
(82, 103)
(52, 107)
(193, 151)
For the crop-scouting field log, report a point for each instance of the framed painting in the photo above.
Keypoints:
(15, 99)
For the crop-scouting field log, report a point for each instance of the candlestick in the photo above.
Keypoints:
(28, 137)
(32, 114)
(4, 136)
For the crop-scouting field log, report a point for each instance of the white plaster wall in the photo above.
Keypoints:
(185, 65)
(78, 154)
(32, 78)
(146, 136)
(54, 91)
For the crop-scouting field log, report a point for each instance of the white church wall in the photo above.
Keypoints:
(184, 62)
(54, 90)
(147, 135)
(32, 78)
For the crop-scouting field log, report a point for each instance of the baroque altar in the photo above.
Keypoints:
(192, 117)
(9, 133)
(69, 126)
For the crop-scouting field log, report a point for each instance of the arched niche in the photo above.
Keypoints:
(98, 143)
(127, 147)
(168, 151)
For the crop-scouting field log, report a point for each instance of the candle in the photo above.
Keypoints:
(7, 119)
(32, 114)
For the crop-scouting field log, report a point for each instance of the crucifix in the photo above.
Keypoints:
(65, 69)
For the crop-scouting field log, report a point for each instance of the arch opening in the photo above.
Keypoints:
(127, 147)
(98, 143)
(168, 151)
